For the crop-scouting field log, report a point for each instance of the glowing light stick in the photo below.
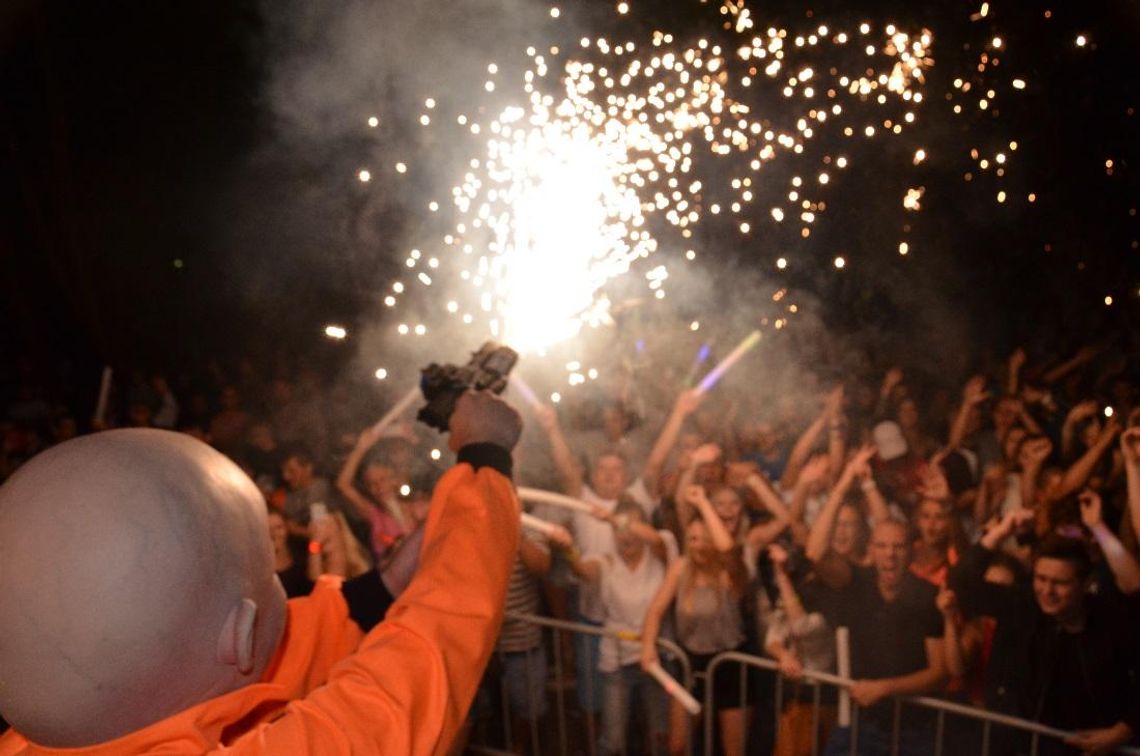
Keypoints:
(104, 394)
(843, 668)
(401, 406)
(524, 389)
(673, 688)
(717, 372)
(538, 496)
(531, 522)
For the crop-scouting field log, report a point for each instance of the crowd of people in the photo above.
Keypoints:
(977, 543)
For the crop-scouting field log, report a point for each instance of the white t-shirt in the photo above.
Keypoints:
(595, 537)
(625, 596)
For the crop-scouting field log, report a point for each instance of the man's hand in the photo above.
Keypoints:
(1105, 740)
(483, 418)
(1017, 359)
(869, 692)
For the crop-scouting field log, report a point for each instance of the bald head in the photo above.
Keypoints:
(136, 580)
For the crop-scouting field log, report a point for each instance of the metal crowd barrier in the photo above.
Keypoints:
(1035, 731)
(540, 744)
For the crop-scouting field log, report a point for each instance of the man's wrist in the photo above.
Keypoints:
(486, 454)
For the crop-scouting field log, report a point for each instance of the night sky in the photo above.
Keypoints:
(157, 207)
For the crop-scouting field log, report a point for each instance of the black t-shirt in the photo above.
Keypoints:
(888, 639)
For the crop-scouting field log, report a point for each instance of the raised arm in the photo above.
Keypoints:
(820, 535)
(635, 526)
(1083, 356)
(1125, 568)
(760, 536)
(651, 627)
(1082, 411)
(1031, 457)
(346, 479)
(722, 540)
(1078, 474)
(801, 451)
(973, 394)
(686, 403)
(1013, 374)
(1130, 450)
(569, 468)
(705, 454)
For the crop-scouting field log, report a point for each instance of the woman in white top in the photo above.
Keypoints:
(627, 579)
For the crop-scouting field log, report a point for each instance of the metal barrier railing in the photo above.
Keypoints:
(988, 719)
(1034, 732)
(668, 648)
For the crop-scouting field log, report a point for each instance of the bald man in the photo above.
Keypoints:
(142, 613)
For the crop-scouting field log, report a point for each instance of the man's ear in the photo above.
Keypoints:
(235, 642)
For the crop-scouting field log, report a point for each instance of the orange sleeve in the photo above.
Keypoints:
(408, 687)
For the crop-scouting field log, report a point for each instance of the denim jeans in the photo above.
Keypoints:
(619, 688)
(586, 651)
(524, 673)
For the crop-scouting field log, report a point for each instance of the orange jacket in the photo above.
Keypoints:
(407, 687)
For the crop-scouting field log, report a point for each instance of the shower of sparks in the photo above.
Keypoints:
(617, 148)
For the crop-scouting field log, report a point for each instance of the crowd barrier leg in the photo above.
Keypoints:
(986, 739)
(559, 692)
(896, 721)
(854, 729)
(816, 698)
(939, 733)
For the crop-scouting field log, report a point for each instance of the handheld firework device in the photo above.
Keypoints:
(442, 385)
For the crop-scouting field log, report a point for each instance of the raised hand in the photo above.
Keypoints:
(833, 403)
(1034, 452)
(706, 454)
(1091, 510)
(947, 603)
(974, 392)
(1081, 411)
(1130, 446)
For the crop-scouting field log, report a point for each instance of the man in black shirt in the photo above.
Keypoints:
(1061, 656)
(896, 643)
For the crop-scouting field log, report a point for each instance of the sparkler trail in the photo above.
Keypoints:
(614, 151)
